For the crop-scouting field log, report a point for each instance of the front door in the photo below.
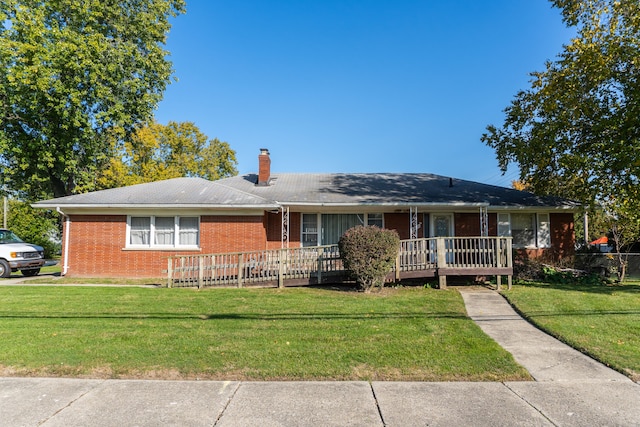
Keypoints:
(442, 226)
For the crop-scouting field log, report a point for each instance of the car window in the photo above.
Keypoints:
(7, 236)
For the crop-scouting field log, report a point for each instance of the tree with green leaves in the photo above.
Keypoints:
(156, 152)
(73, 76)
(576, 131)
(37, 227)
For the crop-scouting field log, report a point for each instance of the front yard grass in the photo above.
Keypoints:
(601, 321)
(246, 334)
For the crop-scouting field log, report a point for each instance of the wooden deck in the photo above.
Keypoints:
(418, 258)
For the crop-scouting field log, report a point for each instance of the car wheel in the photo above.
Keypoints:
(30, 273)
(5, 270)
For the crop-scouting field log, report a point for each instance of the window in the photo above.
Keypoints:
(504, 229)
(188, 230)
(527, 229)
(139, 231)
(161, 231)
(164, 230)
(333, 226)
(375, 219)
(523, 228)
(544, 231)
(309, 230)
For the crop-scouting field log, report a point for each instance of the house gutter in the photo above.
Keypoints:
(402, 205)
(67, 220)
(227, 206)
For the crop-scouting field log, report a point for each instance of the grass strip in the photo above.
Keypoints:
(246, 334)
(601, 321)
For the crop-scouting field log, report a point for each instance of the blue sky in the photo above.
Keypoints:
(358, 85)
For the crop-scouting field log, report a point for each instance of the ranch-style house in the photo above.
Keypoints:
(133, 231)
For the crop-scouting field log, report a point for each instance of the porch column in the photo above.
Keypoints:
(414, 224)
(441, 260)
(484, 222)
(284, 238)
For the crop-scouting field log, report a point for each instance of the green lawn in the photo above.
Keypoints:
(246, 334)
(602, 321)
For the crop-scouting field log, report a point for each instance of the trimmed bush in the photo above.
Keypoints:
(369, 254)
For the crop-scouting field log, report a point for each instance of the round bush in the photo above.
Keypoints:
(369, 254)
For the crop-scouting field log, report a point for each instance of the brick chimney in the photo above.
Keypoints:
(264, 167)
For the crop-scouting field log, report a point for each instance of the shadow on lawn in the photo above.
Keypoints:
(238, 316)
(591, 288)
(530, 314)
(631, 290)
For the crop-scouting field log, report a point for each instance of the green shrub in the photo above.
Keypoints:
(34, 226)
(369, 254)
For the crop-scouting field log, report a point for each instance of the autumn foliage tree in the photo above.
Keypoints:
(156, 152)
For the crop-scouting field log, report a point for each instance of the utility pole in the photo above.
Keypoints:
(5, 212)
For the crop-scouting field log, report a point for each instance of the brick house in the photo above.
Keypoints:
(131, 231)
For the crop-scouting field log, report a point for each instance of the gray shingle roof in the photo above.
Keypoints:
(311, 189)
(177, 192)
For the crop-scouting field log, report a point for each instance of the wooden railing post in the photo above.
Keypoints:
(441, 261)
(240, 268)
(320, 257)
(509, 262)
(281, 267)
(200, 271)
(169, 272)
(499, 253)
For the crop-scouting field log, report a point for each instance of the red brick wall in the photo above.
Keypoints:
(273, 223)
(97, 242)
(563, 236)
(219, 234)
(398, 222)
(468, 224)
(95, 246)
(295, 229)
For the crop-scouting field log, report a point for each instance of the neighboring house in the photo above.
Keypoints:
(131, 231)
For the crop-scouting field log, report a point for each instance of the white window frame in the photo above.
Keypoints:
(542, 232)
(152, 233)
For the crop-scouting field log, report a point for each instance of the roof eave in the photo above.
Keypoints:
(152, 206)
(388, 204)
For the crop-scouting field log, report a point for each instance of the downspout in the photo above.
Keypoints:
(65, 265)
(586, 228)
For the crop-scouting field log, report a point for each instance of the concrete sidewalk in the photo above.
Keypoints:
(76, 402)
(570, 390)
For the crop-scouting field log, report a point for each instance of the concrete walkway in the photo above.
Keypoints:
(546, 358)
(570, 390)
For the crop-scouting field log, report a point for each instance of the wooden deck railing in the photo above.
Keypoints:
(256, 267)
(426, 257)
